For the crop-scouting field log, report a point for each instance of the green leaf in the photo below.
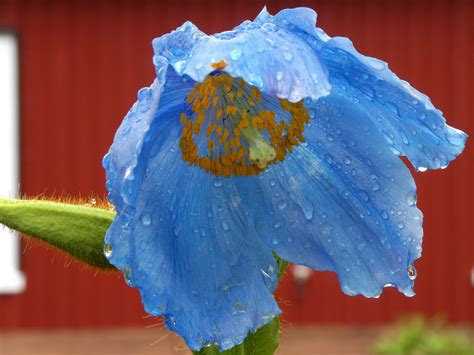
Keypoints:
(75, 229)
(263, 342)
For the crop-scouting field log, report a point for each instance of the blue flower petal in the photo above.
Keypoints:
(181, 234)
(342, 202)
(267, 56)
(411, 125)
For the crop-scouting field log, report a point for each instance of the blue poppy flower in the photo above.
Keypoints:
(269, 138)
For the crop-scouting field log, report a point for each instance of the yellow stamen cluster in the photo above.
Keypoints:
(241, 137)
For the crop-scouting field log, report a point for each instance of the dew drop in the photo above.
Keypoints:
(384, 215)
(411, 272)
(218, 182)
(376, 187)
(235, 54)
(146, 218)
(279, 75)
(272, 182)
(347, 160)
(401, 225)
(107, 250)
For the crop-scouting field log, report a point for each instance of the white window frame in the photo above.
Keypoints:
(12, 280)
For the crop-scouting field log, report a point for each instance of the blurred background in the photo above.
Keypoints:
(81, 64)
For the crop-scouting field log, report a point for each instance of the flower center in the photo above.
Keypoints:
(228, 132)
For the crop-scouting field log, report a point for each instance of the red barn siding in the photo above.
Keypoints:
(82, 63)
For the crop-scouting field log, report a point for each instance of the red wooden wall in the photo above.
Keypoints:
(82, 63)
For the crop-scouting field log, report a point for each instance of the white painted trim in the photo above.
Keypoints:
(12, 279)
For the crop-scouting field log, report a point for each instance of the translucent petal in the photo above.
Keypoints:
(182, 236)
(411, 125)
(342, 202)
(267, 56)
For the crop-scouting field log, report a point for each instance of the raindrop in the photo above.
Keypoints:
(288, 56)
(384, 215)
(411, 199)
(256, 80)
(107, 250)
(127, 274)
(308, 210)
(279, 75)
(455, 139)
(376, 187)
(347, 160)
(328, 158)
(404, 137)
(146, 218)
(282, 205)
(225, 226)
(144, 94)
(411, 272)
(235, 54)
(401, 225)
(376, 64)
(272, 182)
(179, 66)
(218, 182)
(364, 196)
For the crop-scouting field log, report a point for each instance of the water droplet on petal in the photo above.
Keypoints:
(238, 309)
(288, 56)
(404, 137)
(279, 75)
(127, 274)
(308, 210)
(144, 94)
(272, 182)
(235, 54)
(225, 226)
(218, 182)
(107, 250)
(411, 199)
(422, 169)
(384, 215)
(347, 160)
(411, 272)
(401, 225)
(146, 218)
(364, 196)
(282, 205)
